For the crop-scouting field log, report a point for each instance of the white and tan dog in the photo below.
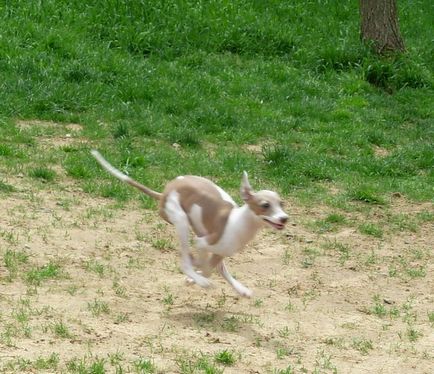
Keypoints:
(222, 228)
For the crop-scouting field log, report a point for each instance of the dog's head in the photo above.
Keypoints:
(267, 205)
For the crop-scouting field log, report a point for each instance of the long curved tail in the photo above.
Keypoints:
(124, 178)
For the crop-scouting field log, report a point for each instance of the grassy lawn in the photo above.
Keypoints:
(281, 89)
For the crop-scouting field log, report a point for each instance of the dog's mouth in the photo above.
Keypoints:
(277, 226)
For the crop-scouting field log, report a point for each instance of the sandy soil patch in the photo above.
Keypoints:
(326, 302)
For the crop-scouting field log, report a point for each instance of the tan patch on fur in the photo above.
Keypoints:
(199, 191)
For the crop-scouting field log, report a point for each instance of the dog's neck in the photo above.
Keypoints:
(242, 226)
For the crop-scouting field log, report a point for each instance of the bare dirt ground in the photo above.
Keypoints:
(328, 302)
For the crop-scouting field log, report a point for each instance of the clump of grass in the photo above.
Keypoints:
(95, 267)
(61, 330)
(98, 307)
(45, 174)
(144, 366)
(431, 317)
(5, 187)
(50, 363)
(189, 365)
(13, 259)
(225, 357)
(37, 275)
(371, 229)
(330, 223)
(413, 334)
(366, 194)
(379, 308)
(394, 73)
(80, 366)
(363, 345)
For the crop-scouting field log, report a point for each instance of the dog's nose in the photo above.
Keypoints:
(283, 219)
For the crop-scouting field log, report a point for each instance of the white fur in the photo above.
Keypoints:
(112, 170)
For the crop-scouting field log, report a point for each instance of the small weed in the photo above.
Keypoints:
(416, 272)
(50, 363)
(98, 307)
(258, 303)
(168, 300)
(329, 223)
(45, 174)
(204, 319)
(342, 249)
(231, 324)
(162, 244)
(96, 267)
(282, 352)
(121, 318)
(77, 366)
(284, 332)
(13, 259)
(61, 330)
(225, 357)
(362, 345)
(431, 318)
(378, 309)
(289, 307)
(413, 334)
(120, 290)
(288, 370)
(371, 229)
(49, 271)
(367, 195)
(192, 365)
(286, 257)
(144, 366)
(115, 358)
(4, 187)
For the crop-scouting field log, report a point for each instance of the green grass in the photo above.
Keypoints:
(36, 276)
(224, 75)
(225, 357)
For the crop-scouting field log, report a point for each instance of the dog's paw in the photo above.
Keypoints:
(244, 291)
(200, 281)
(203, 282)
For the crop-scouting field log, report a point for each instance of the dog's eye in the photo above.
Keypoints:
(265, 205)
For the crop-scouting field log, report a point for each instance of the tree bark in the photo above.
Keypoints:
(379, 25)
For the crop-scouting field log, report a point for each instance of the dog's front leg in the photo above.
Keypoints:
(239, 287)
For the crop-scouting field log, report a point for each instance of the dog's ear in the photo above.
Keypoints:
(246, 189)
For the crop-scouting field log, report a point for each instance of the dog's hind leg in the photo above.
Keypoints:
(186, 263)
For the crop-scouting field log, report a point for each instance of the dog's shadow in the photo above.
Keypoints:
(217, 320)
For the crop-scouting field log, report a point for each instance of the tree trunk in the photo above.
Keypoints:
(379, 25)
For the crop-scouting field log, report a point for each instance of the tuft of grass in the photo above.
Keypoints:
(12, 260)
(98, 307)
(61, 330)
(42, 173)
(81, 366)
(35, 276)
(225, 357)
(144, 366)
(366, 194)
(5, 187)
(362, 345)
(371, 229)
(431, 317)
(379, 308)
